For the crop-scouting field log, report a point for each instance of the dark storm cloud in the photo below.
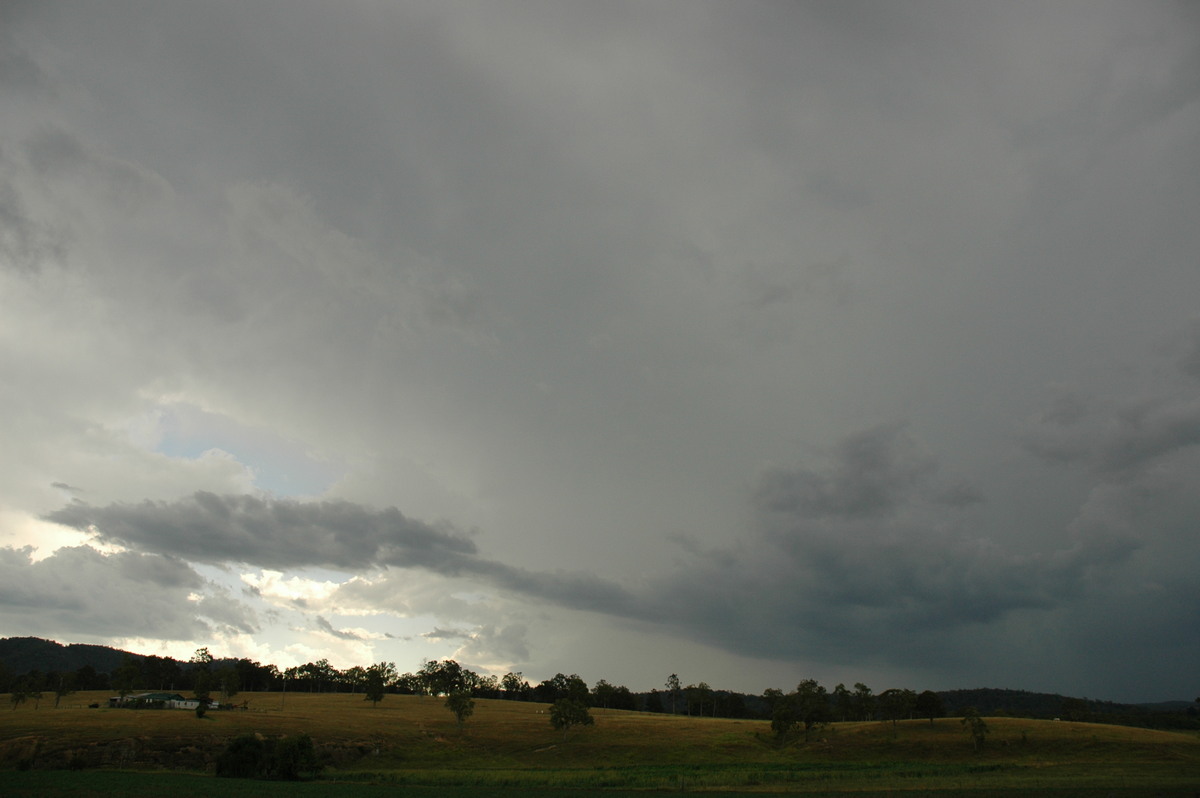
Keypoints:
(1121, 438)
(856, 554)
(873, 471)
(278, 533)
(79, 590)
(271, 533)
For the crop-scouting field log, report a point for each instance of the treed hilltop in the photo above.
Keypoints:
(32, 665)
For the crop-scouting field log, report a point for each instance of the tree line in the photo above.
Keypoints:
(806, 706)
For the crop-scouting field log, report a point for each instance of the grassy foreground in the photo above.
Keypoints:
(509, 748)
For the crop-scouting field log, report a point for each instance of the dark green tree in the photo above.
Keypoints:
(568, 713)
(444, 678)
(771, 697)
(929, 705)
(159, 673)
(229, 681)
(784, 716)
(462, 705)
(975, 726)
(64, 685)
(843, 702)
(623, 699)
(897, 703)
(125, 678)
(563, 686)
(602, 694)
(35, 683)
(864, 701)
(514, 686)
(377, 678)
(86, 678)
(1075, 709)
(673, 686)
(812, 705)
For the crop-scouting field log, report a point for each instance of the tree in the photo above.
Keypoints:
(201, 662)
(929, 705)
(864, 702)
(623, 699)
(376, 679)
(771, 697)
(563, 686)
(975, 726)
(318, 673)
(35, 681)
(86, 678)
(843, 702)
(1075, 709)
(603, 693)
(230, 682)
(125, 677)
(567, 713)
(64, 685)
(783, 714)
(812, 705)
(202, 691)
(158, 672)
(355, 677)
(409, 684)
(514, 685)
(444, 678)
(253, 676)
(18, 696)
(202, 658)
(462, 705)
(699, 695)
(486, 686)
(673, 687)
(897, 703)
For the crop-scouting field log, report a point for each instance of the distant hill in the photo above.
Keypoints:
(24, 654)
(992, 701)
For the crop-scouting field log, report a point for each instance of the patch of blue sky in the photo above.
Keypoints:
(280, 466)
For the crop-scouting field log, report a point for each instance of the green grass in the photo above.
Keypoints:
(411, 744)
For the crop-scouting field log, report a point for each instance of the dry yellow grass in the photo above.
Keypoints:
(405, 734)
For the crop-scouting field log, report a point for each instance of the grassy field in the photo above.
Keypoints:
(509, 748)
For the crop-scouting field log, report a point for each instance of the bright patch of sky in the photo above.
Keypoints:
(280, 466)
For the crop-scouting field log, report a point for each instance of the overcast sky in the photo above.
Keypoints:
(750, 341)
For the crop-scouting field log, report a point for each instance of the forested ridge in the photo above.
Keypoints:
(30, 665)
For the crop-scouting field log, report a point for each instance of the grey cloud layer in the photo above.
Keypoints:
(597, 278)
(271, 533)
(77, 591)
(846, 555)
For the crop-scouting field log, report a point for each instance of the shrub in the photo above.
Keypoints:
(242, 758)
(285, 759)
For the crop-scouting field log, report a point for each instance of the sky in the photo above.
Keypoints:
(751, 342)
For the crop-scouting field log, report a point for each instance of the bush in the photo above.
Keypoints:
(285, 759)
(242, 758)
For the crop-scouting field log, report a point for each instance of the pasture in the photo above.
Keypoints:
(509, 748)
